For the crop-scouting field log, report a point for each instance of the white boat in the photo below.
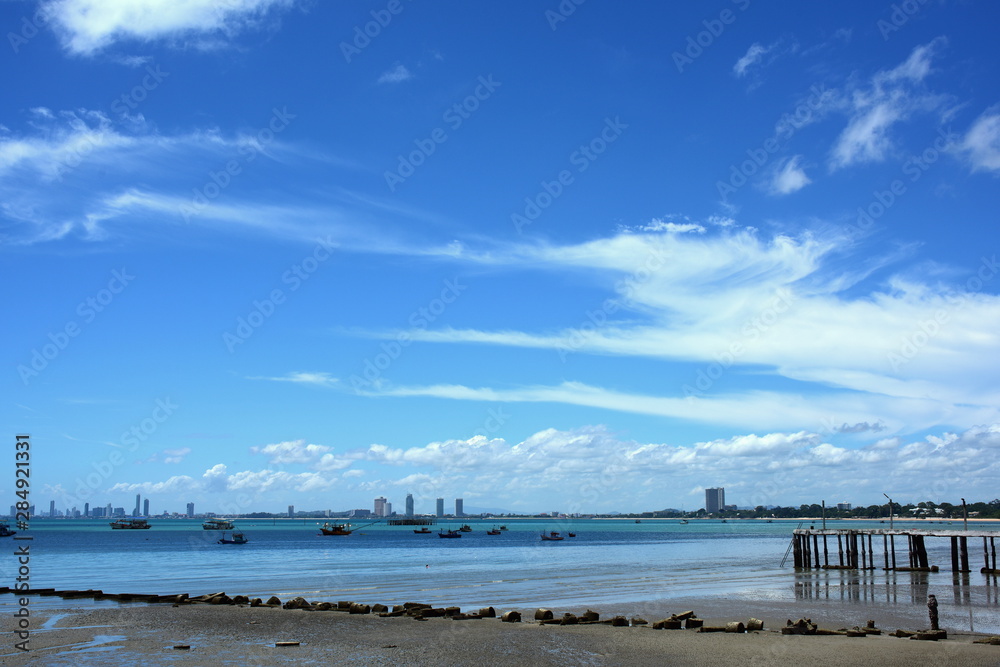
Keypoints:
(218, 524)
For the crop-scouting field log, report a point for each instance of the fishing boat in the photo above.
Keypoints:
(423, 531)
(129, 524)
(5, 530)
(493, 531)
(449, 533)
(335, 528)
(218, 524)
(683, 521)
(237, 538)
(571, 534)
(466, 528)
(552, 536)
(503, 527)
(638, 521)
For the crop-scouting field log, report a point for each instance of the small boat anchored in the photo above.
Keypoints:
(218, 524)
(5, 530)
(466, 528)
(494, 531)
(237, 538)
(129, 524)
(422, 531)
(335, 529)
(449, 534)
(552, 536)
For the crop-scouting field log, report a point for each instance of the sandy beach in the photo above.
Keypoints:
(125, 634)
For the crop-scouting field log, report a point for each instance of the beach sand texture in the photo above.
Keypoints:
(133, 634)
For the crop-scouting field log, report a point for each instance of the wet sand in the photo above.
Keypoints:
(130, 634)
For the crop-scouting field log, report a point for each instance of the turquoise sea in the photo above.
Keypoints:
(609, 565)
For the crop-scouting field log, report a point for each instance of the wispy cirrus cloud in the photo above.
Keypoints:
(981, 143)
(86, 27)
(890, 97)
(397, 74)
(788, 177)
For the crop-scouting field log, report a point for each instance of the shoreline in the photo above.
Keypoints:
(146, 634)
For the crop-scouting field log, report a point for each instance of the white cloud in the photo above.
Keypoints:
(788, 177)
(891, 96)
(657, 225)
(300, 377)
(594, 470)
(175, 455)
(750, 58)
(89, 26)
(981, 143)
(397, 74)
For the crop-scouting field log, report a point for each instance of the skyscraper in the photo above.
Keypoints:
(459, 511)
(52, 508)
(715, 500)
(86, 509)
(440, 507)
(409, 504)
(145, 507)
(190, 510)
(138, 501)
(291, 511)
(380, 506)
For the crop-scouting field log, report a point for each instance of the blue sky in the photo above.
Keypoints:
(540, 256)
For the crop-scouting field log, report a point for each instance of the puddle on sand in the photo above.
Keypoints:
(93, 646)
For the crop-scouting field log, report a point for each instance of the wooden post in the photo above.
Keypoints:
(885, 548)
(826, 554)
(963, 550)
(954, 553)
(871, 553)
(986, 554)
(840, 550)
(993, 551)
(863, 563)
(892, 541)
(796, 550)
(816, 548)
(918, 541)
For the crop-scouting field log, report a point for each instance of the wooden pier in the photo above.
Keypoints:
(855, 549)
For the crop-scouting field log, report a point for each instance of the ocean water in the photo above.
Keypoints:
(609, 564)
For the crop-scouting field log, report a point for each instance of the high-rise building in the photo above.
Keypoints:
(138, 502)
(440, 507)
(291, 511)
(459, 511)
(409, 504)
(190, 511)
(380, 506)
(145, 507)
(52, 508)
(388, 509)
(86, 509)
(715, 500)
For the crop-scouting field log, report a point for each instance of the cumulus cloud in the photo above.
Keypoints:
(594, 469)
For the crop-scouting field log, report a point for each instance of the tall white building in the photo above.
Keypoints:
(380, 506)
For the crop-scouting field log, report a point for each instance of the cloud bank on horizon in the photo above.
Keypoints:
(568, 296)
